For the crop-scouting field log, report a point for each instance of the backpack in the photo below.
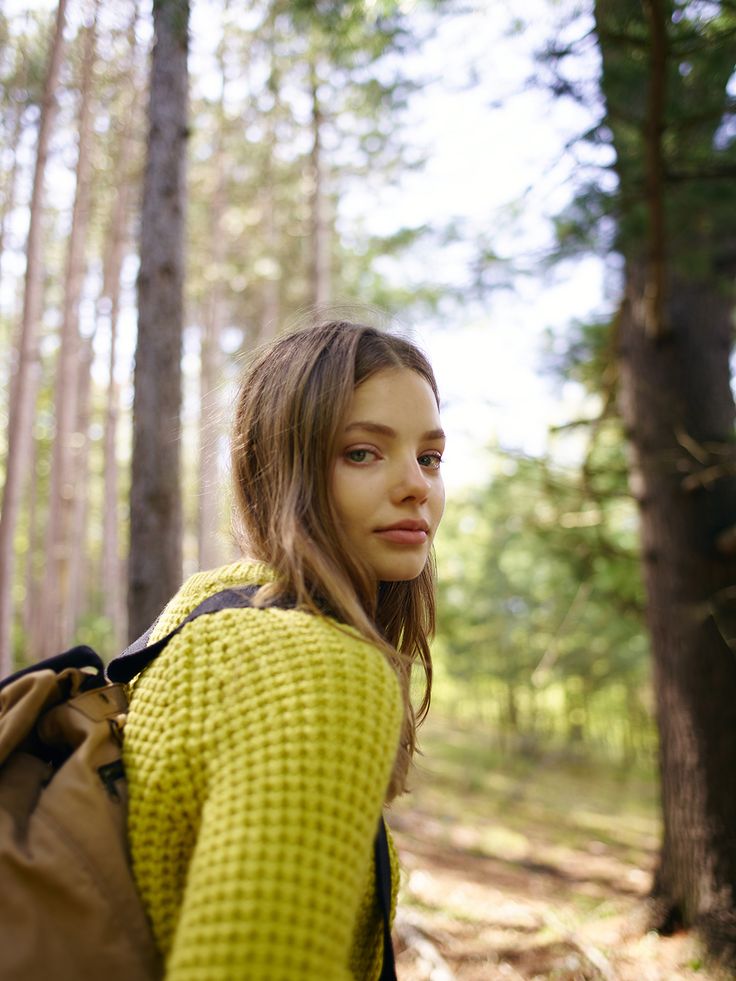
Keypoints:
(69, 906)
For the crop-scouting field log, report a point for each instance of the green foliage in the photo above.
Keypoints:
(250, 159)
(98, 633)
(23, 55)
(584, 354)
(541, 605)
(582, 227)
(352, 31)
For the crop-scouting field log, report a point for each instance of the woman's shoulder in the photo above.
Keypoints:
(268, 641)
(201, 585)
(274, 639)
(274, 670)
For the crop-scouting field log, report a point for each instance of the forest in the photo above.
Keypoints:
(172, 196)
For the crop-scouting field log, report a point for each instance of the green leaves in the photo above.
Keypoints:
(540, 599)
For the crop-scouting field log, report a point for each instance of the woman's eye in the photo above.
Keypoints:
(430, 460)
(359, 456)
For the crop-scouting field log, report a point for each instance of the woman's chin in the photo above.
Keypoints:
(405, 574)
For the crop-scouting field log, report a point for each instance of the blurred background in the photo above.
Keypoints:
(543, 198)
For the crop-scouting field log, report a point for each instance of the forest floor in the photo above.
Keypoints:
(524, 870)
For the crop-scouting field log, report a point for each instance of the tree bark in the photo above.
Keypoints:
(674, 337)
(24, 383)
(53, 623)
(112, 573)
(655, 309)
(321, 286)
(210, 419)
(155, 563)
(31, 574)
(112, 569)
(678, 408)
(211, 360)
(79, 564)
(11, 180)
(271, 310)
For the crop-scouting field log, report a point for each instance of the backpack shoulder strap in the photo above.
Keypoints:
(383, 887)
(140, 654)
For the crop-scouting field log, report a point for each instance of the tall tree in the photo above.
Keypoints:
(210, 356)
(666, 68)
(320, 239)
(79, 564)
(117, 240)
(271, 306)
(25, 381)
(10, 179)
(155, 562)
(53, 624)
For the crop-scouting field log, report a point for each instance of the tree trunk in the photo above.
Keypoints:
(79, 564)
(674, 337)
(81, 582)
(111, 577)
(53, 623)
(24, 383)
(112, 572)
(271, 310)
(34, 552)
(655, 311)
(11, 181)
(155, 564)
(210, 419)
(678, 408)
(211, 361)
(321, 286)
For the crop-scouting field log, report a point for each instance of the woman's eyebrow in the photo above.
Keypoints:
(373, 427)
(378, 427)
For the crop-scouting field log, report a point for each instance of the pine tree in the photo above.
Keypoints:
(155, 563)
(24, 383)
(666, 68)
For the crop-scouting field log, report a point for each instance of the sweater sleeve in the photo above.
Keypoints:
(290, 738)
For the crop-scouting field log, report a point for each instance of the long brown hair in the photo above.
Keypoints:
(288, 412)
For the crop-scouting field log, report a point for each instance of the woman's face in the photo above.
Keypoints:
(386, 483)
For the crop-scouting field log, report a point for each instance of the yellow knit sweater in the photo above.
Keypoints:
(258, 750)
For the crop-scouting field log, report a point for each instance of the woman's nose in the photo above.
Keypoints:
(412, 482)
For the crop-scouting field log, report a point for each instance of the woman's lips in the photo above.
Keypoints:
(403, 536)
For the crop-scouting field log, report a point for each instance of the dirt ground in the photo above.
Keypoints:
(529, 877)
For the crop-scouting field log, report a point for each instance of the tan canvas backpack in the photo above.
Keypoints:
(69, 906)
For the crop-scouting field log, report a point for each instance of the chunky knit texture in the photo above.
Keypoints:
(258, 750)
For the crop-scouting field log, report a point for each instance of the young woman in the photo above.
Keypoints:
(262, 744)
